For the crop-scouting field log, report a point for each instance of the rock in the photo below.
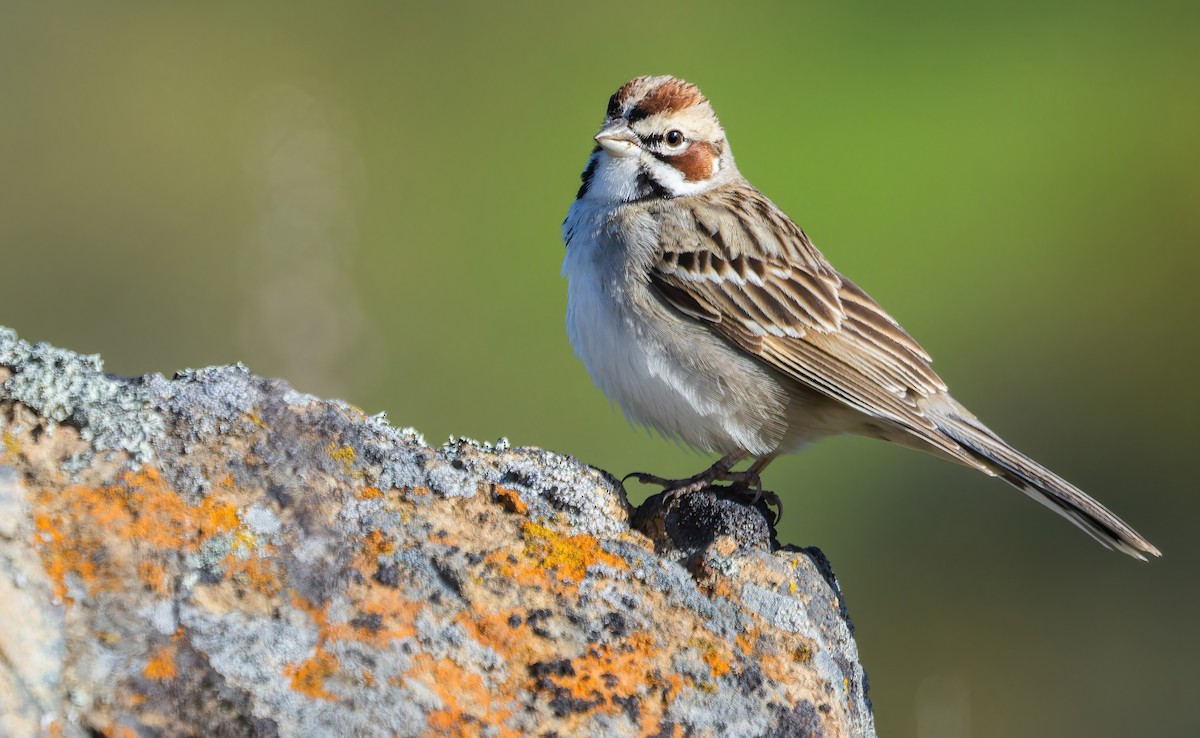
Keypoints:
(219, 555)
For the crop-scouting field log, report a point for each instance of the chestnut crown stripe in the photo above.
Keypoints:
(668, 97)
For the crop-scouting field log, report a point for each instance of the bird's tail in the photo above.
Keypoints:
(1042, 484)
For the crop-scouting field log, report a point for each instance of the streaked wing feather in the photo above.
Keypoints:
(779, 299)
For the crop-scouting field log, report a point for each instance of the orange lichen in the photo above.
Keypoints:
(162, 518)
(387, 615)
(100, 534)
(567, 556)
(369, 493)
(745, 642)
(443, 537)
(11, 446)
(344, 455)
(718, 586)
(507, 633)
(377, 544)
(511, 500)
(314, 612)
(161, 664)
(258, 571)
(308, 676)
(717, 663)
(154, 575)
(802, 653)
(468, 705)
(372, 546)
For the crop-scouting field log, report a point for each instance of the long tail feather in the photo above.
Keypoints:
(1044, 485)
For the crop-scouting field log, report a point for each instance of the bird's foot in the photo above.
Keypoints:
(742, 484)
(718, 472)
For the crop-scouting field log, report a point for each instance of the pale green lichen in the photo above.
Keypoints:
(112, 414)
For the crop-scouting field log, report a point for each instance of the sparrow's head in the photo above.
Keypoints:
(660, 139)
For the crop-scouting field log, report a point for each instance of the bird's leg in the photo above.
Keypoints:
(717, 472)
(751, 479)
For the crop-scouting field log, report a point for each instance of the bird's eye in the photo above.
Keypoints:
(674, 139)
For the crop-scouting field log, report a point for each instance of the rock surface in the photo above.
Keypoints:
(219, 555)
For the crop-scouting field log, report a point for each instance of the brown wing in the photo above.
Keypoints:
(741, 265)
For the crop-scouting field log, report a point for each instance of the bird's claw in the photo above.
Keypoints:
(740, 484)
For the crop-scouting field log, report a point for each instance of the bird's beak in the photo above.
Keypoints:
(618, 140)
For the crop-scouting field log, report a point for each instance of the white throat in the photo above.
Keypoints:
(629, 178)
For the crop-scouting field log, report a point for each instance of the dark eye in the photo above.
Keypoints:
(674, 138)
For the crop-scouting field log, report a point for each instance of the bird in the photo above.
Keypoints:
(706, 313)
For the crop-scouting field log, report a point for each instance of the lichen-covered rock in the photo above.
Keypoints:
(217, 554)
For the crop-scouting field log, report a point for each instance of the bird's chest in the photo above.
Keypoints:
(607, 330)
(665, 371)
(616, 326)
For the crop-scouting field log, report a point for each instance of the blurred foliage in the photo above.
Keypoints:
(365, 198)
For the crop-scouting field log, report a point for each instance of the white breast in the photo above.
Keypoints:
(661, 370)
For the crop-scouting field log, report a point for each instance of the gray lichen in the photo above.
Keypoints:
(64, 387)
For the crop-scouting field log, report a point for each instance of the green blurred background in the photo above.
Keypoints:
(365, 198)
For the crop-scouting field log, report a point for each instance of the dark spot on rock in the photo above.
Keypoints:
(668, 730)
(561, 667)
(280, 494)
(631, 706)
(750, 679)
(825, 708)
(372, 622)
(448, 576)
(514, 479)
(614, 623)
(537, 622)
(514, 621)
(802, 721)
(388, 575)
(211, 575)
(563, 704)
(610, 680)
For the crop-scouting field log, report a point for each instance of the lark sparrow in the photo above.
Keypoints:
(706, 313)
